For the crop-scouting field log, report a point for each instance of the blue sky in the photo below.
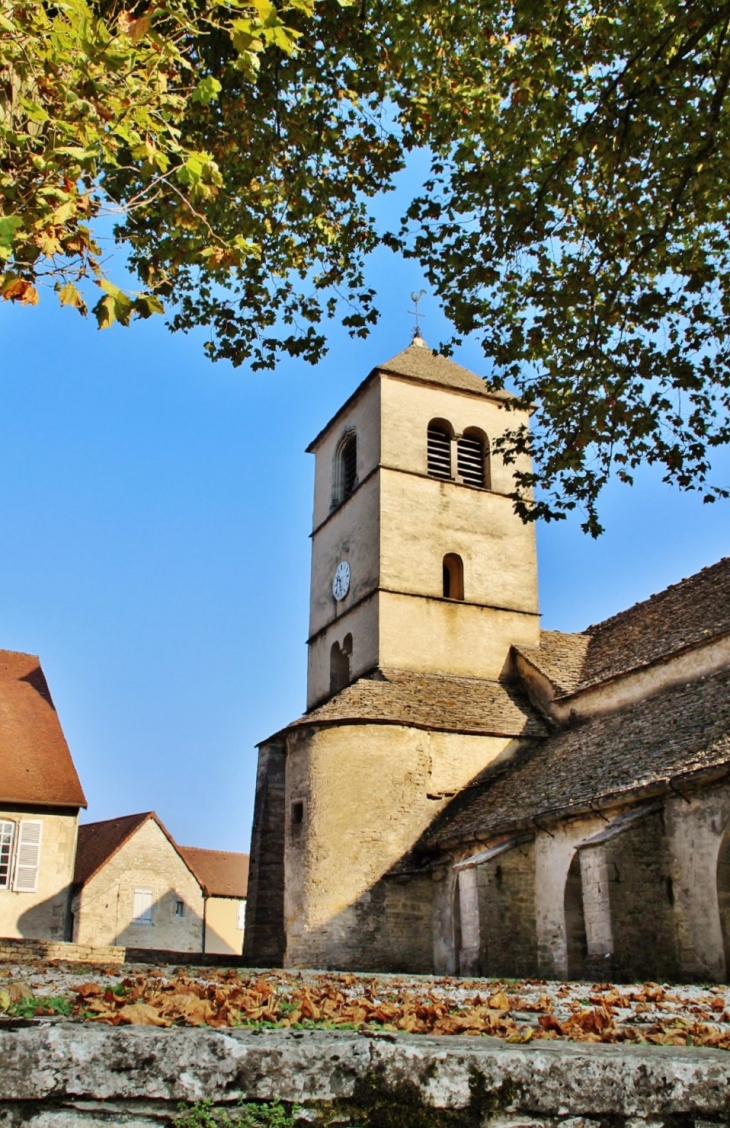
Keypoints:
(156, 511)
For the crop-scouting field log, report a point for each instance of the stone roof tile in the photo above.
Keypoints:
(420, 363)
(684, 615)
(683, 730)
(435, 701)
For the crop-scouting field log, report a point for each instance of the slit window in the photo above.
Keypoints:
(439, 450)
(297, 812)
(472, 460)
(340, 664)
(453, 576)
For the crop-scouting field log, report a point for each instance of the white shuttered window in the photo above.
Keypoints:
(142, 906)
(28, 856)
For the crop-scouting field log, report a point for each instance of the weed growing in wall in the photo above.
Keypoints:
(252, 1114)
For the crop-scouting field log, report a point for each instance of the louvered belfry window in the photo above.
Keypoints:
(439, 451)
(471, 459)
(344, 476)
(349, 465)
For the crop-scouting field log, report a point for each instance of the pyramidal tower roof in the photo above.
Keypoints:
(419, 363)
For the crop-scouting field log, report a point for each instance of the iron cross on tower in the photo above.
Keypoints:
(415, 298)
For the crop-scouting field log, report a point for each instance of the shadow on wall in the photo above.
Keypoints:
(47, 920)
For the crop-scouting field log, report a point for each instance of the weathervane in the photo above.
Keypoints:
(415, 298)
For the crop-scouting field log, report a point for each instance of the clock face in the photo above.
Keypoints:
(341, 582)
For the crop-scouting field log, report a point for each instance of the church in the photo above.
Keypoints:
(468, 794)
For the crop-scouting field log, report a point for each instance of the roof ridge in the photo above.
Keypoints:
(655, 597)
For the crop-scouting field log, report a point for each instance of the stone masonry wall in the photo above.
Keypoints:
(44, 914)
(264, 938)
(641, 894)
(70, 1076)
(507, 914)
(104, 908)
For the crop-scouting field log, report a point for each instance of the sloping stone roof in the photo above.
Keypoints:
(36, 768)
(434, 701)
(686, 614)
(676, 733)
(219, 872)
(560, 657)
(419, 363)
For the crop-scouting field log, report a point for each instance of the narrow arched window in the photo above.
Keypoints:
(344, 478)
(439, 449)
(340, 664)
(472, 454)
(453, 576)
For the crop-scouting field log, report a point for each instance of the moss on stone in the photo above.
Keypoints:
(379, 1103)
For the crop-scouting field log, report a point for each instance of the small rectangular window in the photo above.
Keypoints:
(7, 833)
(142, 906)
(241, 916)
(297, 812)
(179, 908)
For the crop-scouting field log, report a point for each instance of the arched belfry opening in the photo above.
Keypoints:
(344, 477)
(723, 895)
(453, 576)
(472, 455)
(575, 925)
(439, 436)
(340, 664)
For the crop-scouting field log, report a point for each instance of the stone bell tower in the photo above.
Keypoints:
(422, 578)
(418, 560)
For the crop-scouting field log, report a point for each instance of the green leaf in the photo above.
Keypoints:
(207, 90)
(9, 227)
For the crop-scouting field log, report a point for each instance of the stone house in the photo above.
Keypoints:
(40, 798)
(223, 878)
(466, 792)
(133, 887)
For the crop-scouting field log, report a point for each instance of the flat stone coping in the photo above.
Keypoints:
(58, 1061)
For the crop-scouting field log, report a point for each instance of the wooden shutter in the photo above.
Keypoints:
(470, 450)
(142, 907)
(28, 856)
(439, 452)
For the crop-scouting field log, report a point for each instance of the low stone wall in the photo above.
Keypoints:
(21, 951)
(26, 951)
(65, 1075)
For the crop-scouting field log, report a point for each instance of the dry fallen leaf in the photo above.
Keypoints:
(142, 1014)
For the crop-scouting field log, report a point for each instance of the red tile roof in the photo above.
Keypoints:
(99, 841)
(220, 873)
(37, 768)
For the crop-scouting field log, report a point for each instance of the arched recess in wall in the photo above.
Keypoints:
(340, 664)
(439, 436)
(575, 925)
(473, 460)
(723, 895)
(344, 469)
(453, 576)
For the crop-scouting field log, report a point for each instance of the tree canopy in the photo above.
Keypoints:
(575, 215)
